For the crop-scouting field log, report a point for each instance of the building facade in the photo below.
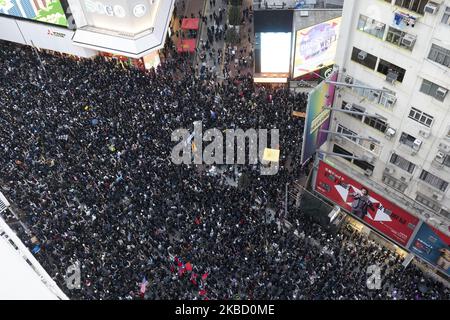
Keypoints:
(403, 48)
(130, 28)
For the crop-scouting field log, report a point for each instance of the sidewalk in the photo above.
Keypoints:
(185, 8)
(211, 62)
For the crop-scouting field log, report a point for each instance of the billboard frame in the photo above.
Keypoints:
(64, 5)
(294, 34)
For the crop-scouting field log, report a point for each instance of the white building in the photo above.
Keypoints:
(131, 28)
(402, 46)
(21, 275)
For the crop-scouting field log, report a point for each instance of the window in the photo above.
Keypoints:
(447, 161)
(353, 107)
(428, 202)
(359, 163)
(400, 38)
(364, 58)
(394, 183)
(344, 130)
(413, 5)
(376, 123)
(363, 164)
(402, 163)
(446, 17)
(433, 180)
(440, 55)
(445, 213)
(421, 117)
(386, 99)
(432, 89)
(407, 139)
(340, 150)
(371, 26)
(389, 69)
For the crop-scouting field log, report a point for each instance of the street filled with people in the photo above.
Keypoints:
(86, 162)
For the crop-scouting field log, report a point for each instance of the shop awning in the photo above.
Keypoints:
(190, 24)
(187, 45)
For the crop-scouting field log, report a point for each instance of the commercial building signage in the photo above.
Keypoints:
(384, 216)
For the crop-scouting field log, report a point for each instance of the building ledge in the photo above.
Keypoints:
(130, 45)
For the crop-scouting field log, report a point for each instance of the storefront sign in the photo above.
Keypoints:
(384, 216)
(433, 246)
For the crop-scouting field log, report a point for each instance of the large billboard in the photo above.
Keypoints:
(383, 215)
(433, 246)
(275, 52)
(317, 117)
(48, 11)
(315, 47)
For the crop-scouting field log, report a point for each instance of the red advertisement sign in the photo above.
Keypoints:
(384, 216)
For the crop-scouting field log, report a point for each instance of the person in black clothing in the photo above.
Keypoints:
(361, 203)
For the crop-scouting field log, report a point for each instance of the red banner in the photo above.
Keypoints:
(386, 217)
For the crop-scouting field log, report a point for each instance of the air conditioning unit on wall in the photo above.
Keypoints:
(348, 79)
(440, 157)
(441, 93)
(408, 40)
(390, 132)
(431, 8)
(417, 144)
(362, 55)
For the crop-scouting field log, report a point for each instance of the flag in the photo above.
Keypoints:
(144, 286)
(193, 278)
(188, 266)
(36, 249)
(197, 221)
(181, 271)
(202, 292)
(204, 276)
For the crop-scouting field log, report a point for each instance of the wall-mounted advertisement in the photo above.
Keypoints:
(315, 47)
(48, 11)
(433, 246)
(317, 117)
(378, 212)
(275, 52)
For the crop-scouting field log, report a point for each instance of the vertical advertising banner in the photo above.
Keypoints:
(383, 215)
(317, 117)
(433, 246)
(316, 46)
(48, 11)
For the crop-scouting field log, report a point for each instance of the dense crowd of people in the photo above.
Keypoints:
(87, 163)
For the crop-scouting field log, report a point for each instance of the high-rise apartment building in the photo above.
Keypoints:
(399, 137)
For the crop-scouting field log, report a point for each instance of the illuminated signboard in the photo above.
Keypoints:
(275, 52)
(128, 17)
(48, 11)
(316, 46)
(318, 117)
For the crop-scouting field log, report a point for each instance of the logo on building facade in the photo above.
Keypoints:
(105, 9)
(56, 34)
(139, 10)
